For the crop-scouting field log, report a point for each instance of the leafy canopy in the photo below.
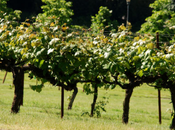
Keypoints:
(8, 13)
(58, 8)
(84, 56)
(163, 11)
(102, 20)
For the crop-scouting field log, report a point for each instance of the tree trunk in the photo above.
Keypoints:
(172, 90)
(126, 102)
(18, 82)
(94, 100)
(73, 97)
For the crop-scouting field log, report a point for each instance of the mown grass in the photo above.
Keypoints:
(41, 111)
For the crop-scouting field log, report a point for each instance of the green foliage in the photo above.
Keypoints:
(102, 20)
(59, 9)
(75, 57)
(100, 107)
(163, 12)
(37, 88)
(3, 8)
(69, 56)
(8, 13)
(87, 88)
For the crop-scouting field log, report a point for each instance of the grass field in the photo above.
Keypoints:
(41, 111)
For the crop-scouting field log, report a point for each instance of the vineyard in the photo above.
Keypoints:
(51, 50)
(42, 110)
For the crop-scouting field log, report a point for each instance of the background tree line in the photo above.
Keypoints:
(83, 10)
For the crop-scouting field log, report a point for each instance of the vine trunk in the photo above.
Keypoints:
(73, 96)
(18, 82)
(126, 102)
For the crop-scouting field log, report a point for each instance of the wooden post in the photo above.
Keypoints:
(159, 93)
(62, 102)
(159, 102)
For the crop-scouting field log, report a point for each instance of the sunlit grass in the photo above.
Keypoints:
(41, 111)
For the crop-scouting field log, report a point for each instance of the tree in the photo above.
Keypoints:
(139, 61)
(102, 20)
(139, 10)
(58, 8)
(163, 11)
(3, 7)
(8, 13)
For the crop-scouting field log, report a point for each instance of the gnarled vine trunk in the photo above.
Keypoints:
(18, 82)
(126, 102)
(94, 100)
(73, 96)
(172, 90)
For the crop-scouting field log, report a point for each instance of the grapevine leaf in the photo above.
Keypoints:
(37, 88)
(41, 63)
(140, 73)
